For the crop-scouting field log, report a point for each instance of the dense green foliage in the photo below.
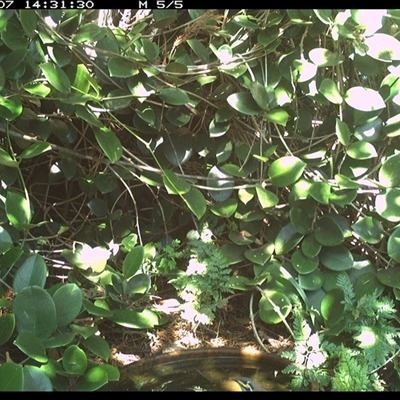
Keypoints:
(126, 135)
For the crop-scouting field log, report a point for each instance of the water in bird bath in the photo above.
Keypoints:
(203, 370)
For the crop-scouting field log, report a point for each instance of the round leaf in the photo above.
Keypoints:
(369, 229)
(286, 239)
(33, 271)
(303, 264)
(35, 312)
(329, 89)
(325, 58)
(387, 205)
(383, 47)
(218, 180)
(328, 233)
(393, 245)
(261, 255)
(74, 360)
(336, 258)
(389, 174)
(300, 219)
(266, 198)
(268, 311)
(367, 284)
(93, 380)
(36, 380)
(332, 307)
(224, 209)
(311, 281)
(286, 171)
(259, 94)
(33, 347)
(12, 377)
(7, 325)
(98, 346)
(176, 97)
(361, 150)
(364, 99)
(389, 277)
(244, 103)
(71, 295)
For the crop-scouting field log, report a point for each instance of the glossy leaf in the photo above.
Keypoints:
(136, 320)
(196, 202)
(286, 239)
(35, 312)
(32, 346)
(74, 360)
(176, 97)
(300, 219)
(94, 379)
(332, 307)
(56, 77)
(7, 325)
(342, 132)
(109, 143)
(364, 99)
(260, 95)
(266, 198)
(7, 160)
(10, 108)
(369, 229)
(35, 150)
(70, 294)
(337, 258)
(387, 205)
(268, 312)
(6, 242)
(310, 246)
(175, 184)
(199, 49)
(325, 58)
(285, 171)
(389, 277)
(98, 346)
(303, 264)
(370, 131)
(393, 245)
(36, 380)
(367, 284)
(224, 209)
(133, 261)
(329, 89)
(260, 255)
(221, 186)
(121, 67)
(28, 22)
(277, 116)
(312, 281)
(389, 173)
(244, 103)
(17, 209)
(89, 32)
(361, 150)
(383, 47)
(12, 377)
(33, 271)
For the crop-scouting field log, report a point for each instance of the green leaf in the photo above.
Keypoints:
(7, 160)
(93, 380)
(10, 108)
(109, 143)
(303, 264)
(12, 377)
(369, 229)
(136, 320)
(220, 183)
(7, 325)
(176, 97)
(389, 277)
(364, 99)
(366, 284)
(70, 294)
(60, 340)
(266, 198)
(35, 312)
(329, 89)
(361, 150)
(74, 360)
(6, 242)
(268, 312)
(28, 21)
(285, 171)
(389, 173)
(199, 49)
(17, 209)
(35, 150)
(260, 95)
(133, 261)
(33, 347)
(393, 245)
(98, 346)
(277, 116)
(342, 132)
(287, 239)
(174, 184)
(311, 281)
(260, 255)
(328, 233)
(244, 103)
(324, 15)
(387, 205)
(224, 209)
(300, 219)
(33, 271)
(310, 247)
(36, 380)
(95, 310)
(332, 306)
(121, 67)
(196, 202)
(337, 258)
(325, 58)
(88, 116)
(303, 70)
(13, 37)
(383, 47)
(56, 77)
(370, 131)
(138, 284)
(90, 32)
(37, 89)
(98, 207)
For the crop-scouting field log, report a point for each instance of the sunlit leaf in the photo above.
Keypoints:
(286, 171)
(109, 143)
(56, 77)
(364, 99)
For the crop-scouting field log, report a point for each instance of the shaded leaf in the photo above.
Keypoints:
(109, 143)
(196, 202)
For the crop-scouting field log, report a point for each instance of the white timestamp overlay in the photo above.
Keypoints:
(86, 4)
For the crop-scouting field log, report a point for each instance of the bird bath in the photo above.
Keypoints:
(203, 370)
